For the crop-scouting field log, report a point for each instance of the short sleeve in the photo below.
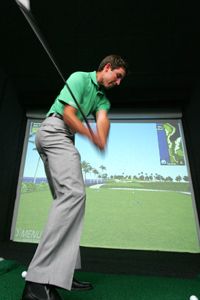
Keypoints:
(76, 85)
(103, 104)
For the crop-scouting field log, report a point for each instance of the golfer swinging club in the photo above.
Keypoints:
(57, 255)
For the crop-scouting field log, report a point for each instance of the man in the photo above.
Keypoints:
(57, 255)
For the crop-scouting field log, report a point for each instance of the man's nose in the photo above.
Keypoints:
(118, 81)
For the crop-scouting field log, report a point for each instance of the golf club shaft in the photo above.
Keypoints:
(32, 22)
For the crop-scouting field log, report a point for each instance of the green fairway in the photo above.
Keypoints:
(126, 219)
(140, 220)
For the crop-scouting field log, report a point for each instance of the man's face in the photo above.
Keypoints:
(111, 77)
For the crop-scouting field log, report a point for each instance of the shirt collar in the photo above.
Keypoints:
(93, 76)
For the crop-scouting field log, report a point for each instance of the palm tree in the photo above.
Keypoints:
(86, 167)
(169, 178)
(103, 168)
(95, 172)
(178, 178)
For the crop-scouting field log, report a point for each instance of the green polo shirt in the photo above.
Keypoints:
(86, 90)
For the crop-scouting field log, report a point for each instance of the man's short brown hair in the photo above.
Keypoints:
(116, 61)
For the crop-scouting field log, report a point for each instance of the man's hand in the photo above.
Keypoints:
(99, 137)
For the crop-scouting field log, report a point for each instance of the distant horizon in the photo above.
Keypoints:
(25, 179)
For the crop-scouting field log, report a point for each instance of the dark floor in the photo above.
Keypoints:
(154, 263)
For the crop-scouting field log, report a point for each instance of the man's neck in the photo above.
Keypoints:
(99, 77)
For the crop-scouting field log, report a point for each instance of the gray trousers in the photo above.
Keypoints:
(57, 255)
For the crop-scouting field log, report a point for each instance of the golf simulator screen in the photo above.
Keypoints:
(139, 193)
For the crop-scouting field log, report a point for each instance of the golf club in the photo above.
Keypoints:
(24, 6)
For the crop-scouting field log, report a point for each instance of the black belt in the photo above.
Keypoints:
(56, 116)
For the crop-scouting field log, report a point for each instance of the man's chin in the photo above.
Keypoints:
(108, 87)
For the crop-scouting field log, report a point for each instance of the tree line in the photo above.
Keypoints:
(88, 169)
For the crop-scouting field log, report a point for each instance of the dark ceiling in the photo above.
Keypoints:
(160, 40)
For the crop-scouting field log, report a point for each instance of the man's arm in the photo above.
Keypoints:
(70, 118)
(103, 126)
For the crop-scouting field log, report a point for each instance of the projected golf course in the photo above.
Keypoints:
(139, 194)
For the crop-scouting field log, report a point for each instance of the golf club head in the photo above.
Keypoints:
(25, 4)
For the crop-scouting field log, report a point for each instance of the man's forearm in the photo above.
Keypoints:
(73, 122)
(70, 118)
(103, 127)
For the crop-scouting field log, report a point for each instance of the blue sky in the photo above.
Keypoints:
(132, 148)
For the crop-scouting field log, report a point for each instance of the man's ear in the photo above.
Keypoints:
(107, 67)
